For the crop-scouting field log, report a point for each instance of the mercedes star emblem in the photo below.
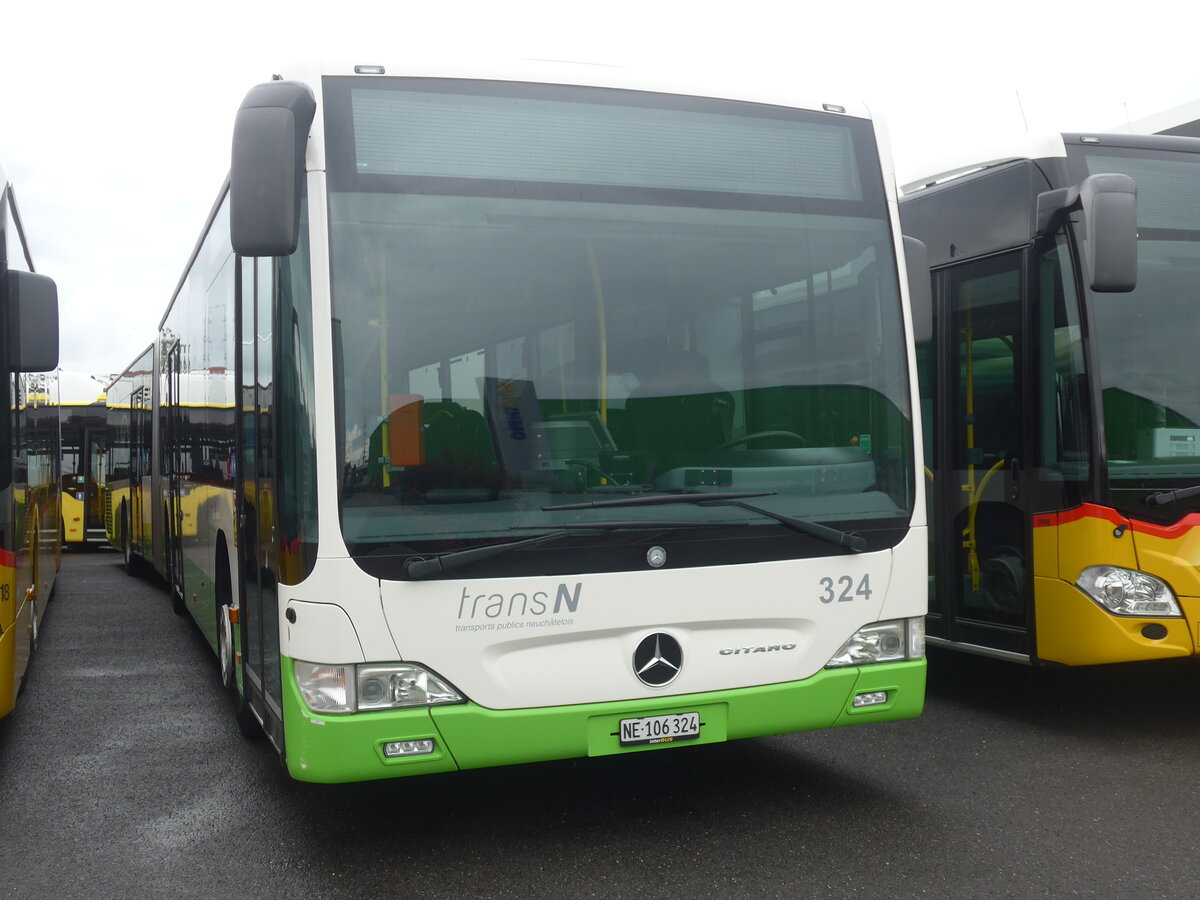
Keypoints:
(657, 659)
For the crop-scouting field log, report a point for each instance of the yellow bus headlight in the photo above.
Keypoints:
(1128, 592)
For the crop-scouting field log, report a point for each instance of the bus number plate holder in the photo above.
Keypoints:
(660, 729)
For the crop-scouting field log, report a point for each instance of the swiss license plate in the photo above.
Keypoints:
(660, 729)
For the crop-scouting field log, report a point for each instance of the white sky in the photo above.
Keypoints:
(115, 118)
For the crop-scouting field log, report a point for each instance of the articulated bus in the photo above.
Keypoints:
(128, 408)
(1061, 397)
(84, 433)
(503, 419)
(29, 449)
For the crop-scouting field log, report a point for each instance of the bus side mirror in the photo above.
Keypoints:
(1109, 205)
(920, 292)
(266, 177)
(32, 322)
(1110, 219)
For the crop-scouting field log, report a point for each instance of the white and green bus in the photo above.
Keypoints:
(536, 415)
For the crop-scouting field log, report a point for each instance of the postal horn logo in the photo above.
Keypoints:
(657, 660)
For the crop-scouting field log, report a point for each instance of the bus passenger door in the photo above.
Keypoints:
(259, 614)
(172, 456)
(980, 542)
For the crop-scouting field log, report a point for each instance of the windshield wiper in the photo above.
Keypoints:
(418, 567)
(853, 542)
(659, 500)
(1162, 498)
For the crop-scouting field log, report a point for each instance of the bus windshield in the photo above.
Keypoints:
(1146, 353)
(545, 296)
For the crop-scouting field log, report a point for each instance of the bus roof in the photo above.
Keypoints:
(588, 74)
(964, 160)
(130, 370)
(1047, 147)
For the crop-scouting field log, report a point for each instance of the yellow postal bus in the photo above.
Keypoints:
(1060, 386)
(29, 449)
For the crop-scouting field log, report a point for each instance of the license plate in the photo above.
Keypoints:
(660, 729)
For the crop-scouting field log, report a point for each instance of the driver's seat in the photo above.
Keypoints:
(677, 415)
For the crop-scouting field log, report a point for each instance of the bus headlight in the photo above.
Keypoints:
(882, 642)
(1127, 592)
(347, 689)
(399, 686)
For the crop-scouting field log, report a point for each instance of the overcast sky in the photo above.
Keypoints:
(115, 119)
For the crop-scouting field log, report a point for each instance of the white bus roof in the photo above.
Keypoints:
(673, 81)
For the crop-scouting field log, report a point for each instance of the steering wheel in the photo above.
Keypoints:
(790, 435)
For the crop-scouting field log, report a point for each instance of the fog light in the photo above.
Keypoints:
(394, 749)
(870, 698)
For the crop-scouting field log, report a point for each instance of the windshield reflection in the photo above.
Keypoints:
(739, 352)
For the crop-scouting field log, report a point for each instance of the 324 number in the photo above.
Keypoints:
(843, 590)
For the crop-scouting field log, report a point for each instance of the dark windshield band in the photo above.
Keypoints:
(615, 146)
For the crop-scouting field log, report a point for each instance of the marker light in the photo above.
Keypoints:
(368, 70)
(327, 689)
(396, 749)
(1127, 592)
(870, 698)
(916, 638)
(882, 642)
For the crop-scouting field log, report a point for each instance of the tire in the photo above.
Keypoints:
(242, 714)
(33, 636)
(247, 723)
(177, 603)
(1002, 581)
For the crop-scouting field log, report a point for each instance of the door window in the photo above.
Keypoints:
(984, 419)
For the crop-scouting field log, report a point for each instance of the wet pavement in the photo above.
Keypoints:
(122, 774)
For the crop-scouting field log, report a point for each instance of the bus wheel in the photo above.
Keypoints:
(33, 626)
(175, 579)
(246, 722)
(242, 714)
(1002, 581)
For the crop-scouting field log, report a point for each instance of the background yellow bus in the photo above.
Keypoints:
(29, 449)
(83, 474)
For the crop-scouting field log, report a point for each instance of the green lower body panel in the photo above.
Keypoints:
(331, 748)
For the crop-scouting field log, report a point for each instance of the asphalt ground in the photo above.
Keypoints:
(122, 774)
